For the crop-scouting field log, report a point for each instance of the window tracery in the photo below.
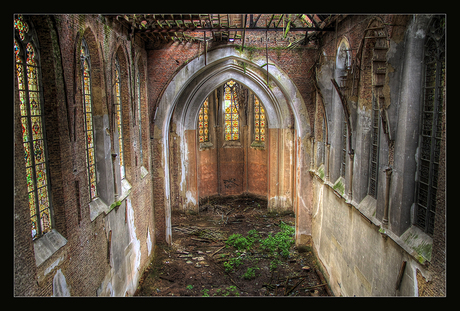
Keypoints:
(87, 108)
(118, 116)
(431, 127)
(231, 107)
(33, 137)
(203, 122)
(259, 120)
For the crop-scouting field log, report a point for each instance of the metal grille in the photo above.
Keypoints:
(344, 149)
(374, 151)
(430, 144)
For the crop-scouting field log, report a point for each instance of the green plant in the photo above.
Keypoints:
(227, 291)
(250, 273)
(274, 264)
(205, 292)
(113, 205)
(280, 243)
(189, 287)
(233, 263)
(239, 242)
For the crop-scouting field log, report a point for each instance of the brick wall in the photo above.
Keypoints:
(83, 260)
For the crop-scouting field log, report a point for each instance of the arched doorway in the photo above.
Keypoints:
(175, 135)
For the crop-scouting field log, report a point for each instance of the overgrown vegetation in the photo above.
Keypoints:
(274, 246)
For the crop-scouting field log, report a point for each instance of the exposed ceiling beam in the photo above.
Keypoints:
(183, 29)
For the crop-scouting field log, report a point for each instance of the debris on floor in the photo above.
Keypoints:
(233, 247)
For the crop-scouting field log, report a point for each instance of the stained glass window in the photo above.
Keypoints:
(431, 129)
(118, 115)
(203, 122)
(231, 122)
(33, 137)
(139, 113)
(259, 121)
(88, 112)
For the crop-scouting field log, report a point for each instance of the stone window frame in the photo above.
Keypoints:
(118, 102)
(254, 143)
(206, 143)
(343, 55)
(23, 40)
(439, 60)
(49, 243)
(375, 142)
(87, 58)
(229, 143)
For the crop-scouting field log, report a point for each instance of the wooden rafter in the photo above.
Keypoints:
(167, 27)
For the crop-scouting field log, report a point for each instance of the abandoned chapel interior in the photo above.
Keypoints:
(127, 127)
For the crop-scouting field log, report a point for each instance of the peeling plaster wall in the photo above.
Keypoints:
(125, 254)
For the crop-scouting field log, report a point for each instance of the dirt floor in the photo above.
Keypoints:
(200, 261)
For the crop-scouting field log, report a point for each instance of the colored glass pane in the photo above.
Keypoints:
(118, 113)
(203, 122)
(21, 25)
(32, 131)
(231, 111)
(22, 104)
(30, 179)
(39, 151)
(36, 128)
(25, 129)
(32, 207)
(34, 226)
(45, 220)
(27, 157)
(40, 171)
(259, 120)
(43, 198)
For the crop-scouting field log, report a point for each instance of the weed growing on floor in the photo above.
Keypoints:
(229, 291)
(232, 264)
(250, 273)
(239, 242)
(205, 292)
(280, 243)
(275, 246)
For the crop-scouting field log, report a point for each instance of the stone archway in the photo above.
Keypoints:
(288, 124)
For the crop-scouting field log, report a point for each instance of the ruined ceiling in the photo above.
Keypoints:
(220, 27)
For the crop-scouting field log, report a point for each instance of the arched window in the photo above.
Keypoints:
(259, 121)
(88, 112)
(203, 122)
(431, 126)
(139, 112)
(231, 111)
(119, 118)
(341, 72)
(33, 134)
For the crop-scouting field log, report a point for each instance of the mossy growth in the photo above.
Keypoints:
(321, 172)
(339, 186)
(115, 204)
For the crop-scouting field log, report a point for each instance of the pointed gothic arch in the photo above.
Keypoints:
(180, 103)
